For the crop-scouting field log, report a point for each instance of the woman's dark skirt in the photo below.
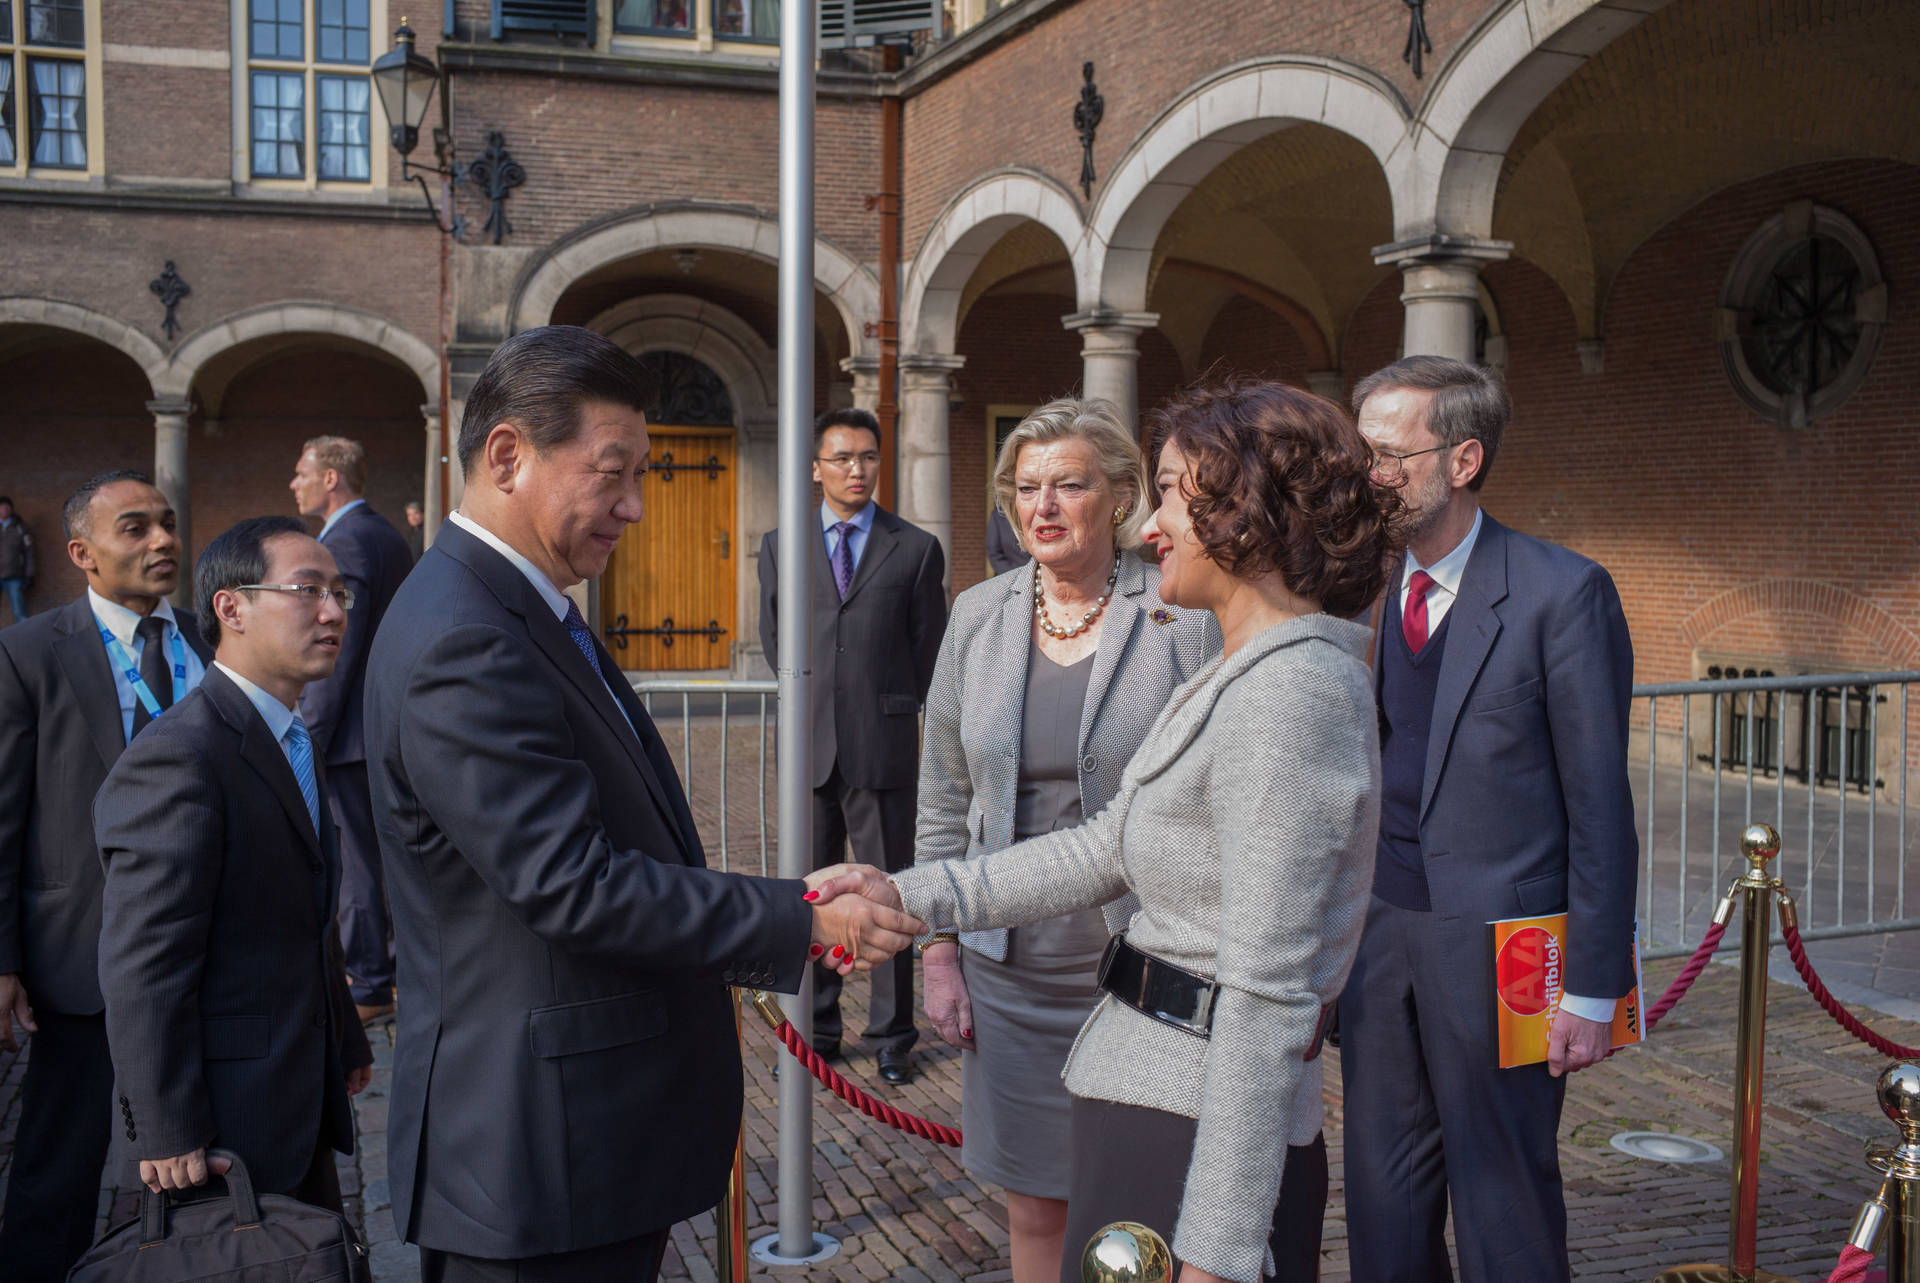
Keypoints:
(1130, 1164)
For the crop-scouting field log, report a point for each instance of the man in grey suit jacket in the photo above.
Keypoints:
(227, 1010)
(1503, 670)
(374, 560)
(68, 707)
(878, 612)
(567, 1082)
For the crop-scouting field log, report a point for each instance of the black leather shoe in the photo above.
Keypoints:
(827, 1050)
(896, 1067)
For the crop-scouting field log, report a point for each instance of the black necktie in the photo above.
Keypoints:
(155, 671)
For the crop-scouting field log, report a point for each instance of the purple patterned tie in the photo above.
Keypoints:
(843, 559)
(583, 638)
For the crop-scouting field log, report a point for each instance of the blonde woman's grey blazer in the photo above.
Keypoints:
(1246, 826)
(970, 756)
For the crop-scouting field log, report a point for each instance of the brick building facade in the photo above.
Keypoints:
(1613, 200)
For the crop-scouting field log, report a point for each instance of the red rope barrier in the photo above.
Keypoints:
(860, 1100)
(1691, 972)
(1844, 1018)
(1853, 1265)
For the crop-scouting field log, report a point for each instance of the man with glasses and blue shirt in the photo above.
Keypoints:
(76, 684)
(226, 1006)
(878, 613)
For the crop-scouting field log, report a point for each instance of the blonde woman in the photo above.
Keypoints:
(1047, 681)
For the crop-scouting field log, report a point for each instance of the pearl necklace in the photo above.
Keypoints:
(1052, 629)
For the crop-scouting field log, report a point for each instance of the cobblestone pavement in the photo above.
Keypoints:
(903, 1209)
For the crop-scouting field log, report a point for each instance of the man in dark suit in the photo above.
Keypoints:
(416, 528)
(1504, 673)
(878, 612)
(327, 483)
(568, 1080)
(227, 1009)
(70, 699)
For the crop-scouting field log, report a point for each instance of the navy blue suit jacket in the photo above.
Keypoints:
(567, 1072)
(1525, 808)
(374, 560)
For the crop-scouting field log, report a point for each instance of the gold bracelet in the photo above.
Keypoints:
(938, 937)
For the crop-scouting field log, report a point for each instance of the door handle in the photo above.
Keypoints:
(725, 540)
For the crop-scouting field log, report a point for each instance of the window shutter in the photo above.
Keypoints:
(560, 17)
(847, 23)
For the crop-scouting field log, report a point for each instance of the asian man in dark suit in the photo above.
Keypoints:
(567, 1082)
(374, 559)
(878, 612)
(227, 1010)
(68, 706)
(1503, 670)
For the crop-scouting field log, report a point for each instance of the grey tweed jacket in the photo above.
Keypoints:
(1246, 825)
(970, 758)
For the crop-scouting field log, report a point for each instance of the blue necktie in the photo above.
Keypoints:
(300, 757)
(843, 559)
(583, 638)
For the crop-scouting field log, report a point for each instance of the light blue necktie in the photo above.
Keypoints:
(300, 757)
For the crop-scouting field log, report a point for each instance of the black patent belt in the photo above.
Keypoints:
(1171, 994)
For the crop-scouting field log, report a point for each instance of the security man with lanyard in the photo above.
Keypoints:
(76, 685)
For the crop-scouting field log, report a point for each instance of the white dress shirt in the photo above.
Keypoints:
(557, 601)
(1447, 573)
(121, 622)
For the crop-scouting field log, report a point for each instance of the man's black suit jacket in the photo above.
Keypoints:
(873, 654)
(567, 1072)
(374, 560)
(227, 1009)
(60, 732)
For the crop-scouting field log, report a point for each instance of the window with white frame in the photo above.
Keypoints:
(44, 84)
(309, 100)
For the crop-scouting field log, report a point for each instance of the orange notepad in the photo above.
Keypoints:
(1529, 967)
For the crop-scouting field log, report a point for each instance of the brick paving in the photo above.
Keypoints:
(903, 1209)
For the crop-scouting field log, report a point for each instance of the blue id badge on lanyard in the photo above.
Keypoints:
(131, 670)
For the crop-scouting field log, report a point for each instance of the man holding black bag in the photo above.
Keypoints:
(227, 1009)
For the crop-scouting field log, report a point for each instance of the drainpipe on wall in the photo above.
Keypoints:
(888, 202)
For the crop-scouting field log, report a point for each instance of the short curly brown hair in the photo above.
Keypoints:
(1282, 480)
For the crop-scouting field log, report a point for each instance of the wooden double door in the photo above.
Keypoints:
(667, 598)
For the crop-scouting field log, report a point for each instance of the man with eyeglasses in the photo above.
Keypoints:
(76, 684)
(1503, 671)
(878, 612)
(227, 1008)
(328, 482)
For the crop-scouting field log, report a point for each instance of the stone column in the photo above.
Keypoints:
(430, 490)
(866, 381)
(1440, 276)
(174, 479)
(925, 467)
(1110, 357)
(1330, 384)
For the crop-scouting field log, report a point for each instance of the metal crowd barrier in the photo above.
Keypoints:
(1841, 744)
(713, 716)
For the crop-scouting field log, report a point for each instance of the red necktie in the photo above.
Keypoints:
(1413, 616)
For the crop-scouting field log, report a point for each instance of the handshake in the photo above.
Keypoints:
(858, 920)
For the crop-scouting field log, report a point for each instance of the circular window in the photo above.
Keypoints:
(1801, 316)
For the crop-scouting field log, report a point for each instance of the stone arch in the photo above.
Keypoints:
(707, 332)
(1514, 58)
(1210, 122)
(116, 334)
(966, 229)
(1811, 598)
(854, 290)
(303, 317)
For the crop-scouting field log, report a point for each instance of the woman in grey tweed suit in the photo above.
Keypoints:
(1028, 731)
(1246, 825)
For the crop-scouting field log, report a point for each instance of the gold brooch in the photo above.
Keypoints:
(1161, 616)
